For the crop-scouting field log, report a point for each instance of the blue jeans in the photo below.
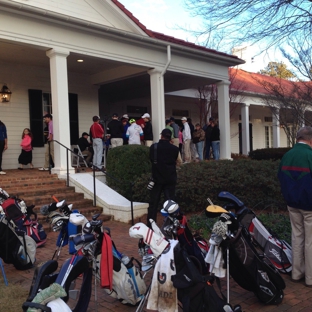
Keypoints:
(199, 148)
(216, 149)
(208, 146)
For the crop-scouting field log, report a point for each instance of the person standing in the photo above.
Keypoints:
(194, 154)
(85, 147)
(141, 123)
(148, 130)
(114, 131)
(163, 156)
(125, 125)
(295, 176)
(198, 140)
(176, 140)
(208, 129)
(134, 133)
(186, 140)
(3, 143)
(215, 140)
(25, 157)
(168, 126)
(97, 133)
(49, 151)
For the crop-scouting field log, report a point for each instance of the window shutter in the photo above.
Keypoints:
(73, 118)
(35, 114)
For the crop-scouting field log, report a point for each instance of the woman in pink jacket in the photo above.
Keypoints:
(25, 157)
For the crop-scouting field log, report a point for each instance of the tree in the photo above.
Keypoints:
(277, 69)
(290, 103)
(269, 21)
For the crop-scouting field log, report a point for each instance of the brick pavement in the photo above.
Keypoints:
(297, 296)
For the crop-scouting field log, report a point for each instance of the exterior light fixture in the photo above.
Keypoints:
(5, 94)
(80, 61)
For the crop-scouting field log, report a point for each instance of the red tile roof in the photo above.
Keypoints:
(164, 37)
(249, 82)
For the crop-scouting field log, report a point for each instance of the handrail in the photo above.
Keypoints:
(94, 168)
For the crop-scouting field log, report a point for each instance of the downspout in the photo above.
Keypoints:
(168, 60)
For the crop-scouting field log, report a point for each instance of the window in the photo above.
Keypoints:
(268, 119)
(141, 110)
(47, 103)
(180, 112)
(268, 136)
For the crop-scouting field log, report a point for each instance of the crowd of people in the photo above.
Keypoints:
(195, 143)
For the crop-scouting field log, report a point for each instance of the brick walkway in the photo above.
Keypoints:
(297, 296)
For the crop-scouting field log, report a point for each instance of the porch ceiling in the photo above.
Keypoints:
(134, 86)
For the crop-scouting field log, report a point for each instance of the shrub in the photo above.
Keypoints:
(253, 182)
(278, 224)
(269, 153)
(125, 165)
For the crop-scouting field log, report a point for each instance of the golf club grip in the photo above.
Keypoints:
(55, 199)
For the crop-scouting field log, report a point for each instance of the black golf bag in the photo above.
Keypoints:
(251, 270)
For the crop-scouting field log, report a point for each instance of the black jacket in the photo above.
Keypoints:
(148, 131)
(164, 171)
(83, 143)
(215, 134)
(115, 129)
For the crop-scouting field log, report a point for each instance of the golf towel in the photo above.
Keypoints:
(163, 295)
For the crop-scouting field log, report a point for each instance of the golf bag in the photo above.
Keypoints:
(277, 250)
(251, 270)
(16, 247)
(195, 291)
(125, 282)
(16, 210)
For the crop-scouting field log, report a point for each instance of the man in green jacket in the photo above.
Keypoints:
(295, 175)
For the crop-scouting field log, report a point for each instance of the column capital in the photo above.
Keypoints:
(245, 104)
(57, 52)
(223, 83)
(155, 71)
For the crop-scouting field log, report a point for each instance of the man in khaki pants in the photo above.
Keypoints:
(175, 140)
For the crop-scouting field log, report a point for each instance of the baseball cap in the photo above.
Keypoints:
(85, 133)
(166, 133)
(132, 121)
(146, 115)
(115, 115)
(172, 119)
(211, 119)
(183, 118)
(47, 116)
(125, 116)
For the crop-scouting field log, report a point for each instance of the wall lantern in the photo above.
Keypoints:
(5, 94)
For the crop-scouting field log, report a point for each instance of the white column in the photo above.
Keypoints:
(276, 129)
(60, 108)
(224, 119)
(245, 129)
(157, 102)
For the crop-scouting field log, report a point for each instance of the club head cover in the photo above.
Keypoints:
(156, 242)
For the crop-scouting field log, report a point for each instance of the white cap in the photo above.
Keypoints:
(183, 118)
(146, 115)
(125, 116)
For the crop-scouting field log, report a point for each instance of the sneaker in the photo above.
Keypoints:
(43, 169)
(2, 172)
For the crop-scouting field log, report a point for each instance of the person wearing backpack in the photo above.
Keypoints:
(295, 176)
(25, 157)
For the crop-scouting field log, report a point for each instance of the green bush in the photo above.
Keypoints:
(125, 165)
(253, 182)
(275, 223)
(269, 153)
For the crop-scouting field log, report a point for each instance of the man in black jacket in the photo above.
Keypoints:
(163, 156)
(148, 130)
(115, 130)
(85, 146)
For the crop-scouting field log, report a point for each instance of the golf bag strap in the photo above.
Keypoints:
(219, 286)
(27, 305)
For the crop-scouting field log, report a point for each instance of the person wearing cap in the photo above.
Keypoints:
(163, 156)
(134, 132)
(97, 133)
(50, 145)
(168, 126)
(85, 146)
(125, 125)
(115, 131)
(186, 140)
(176, 131)
(148, 130)
(198, 140)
